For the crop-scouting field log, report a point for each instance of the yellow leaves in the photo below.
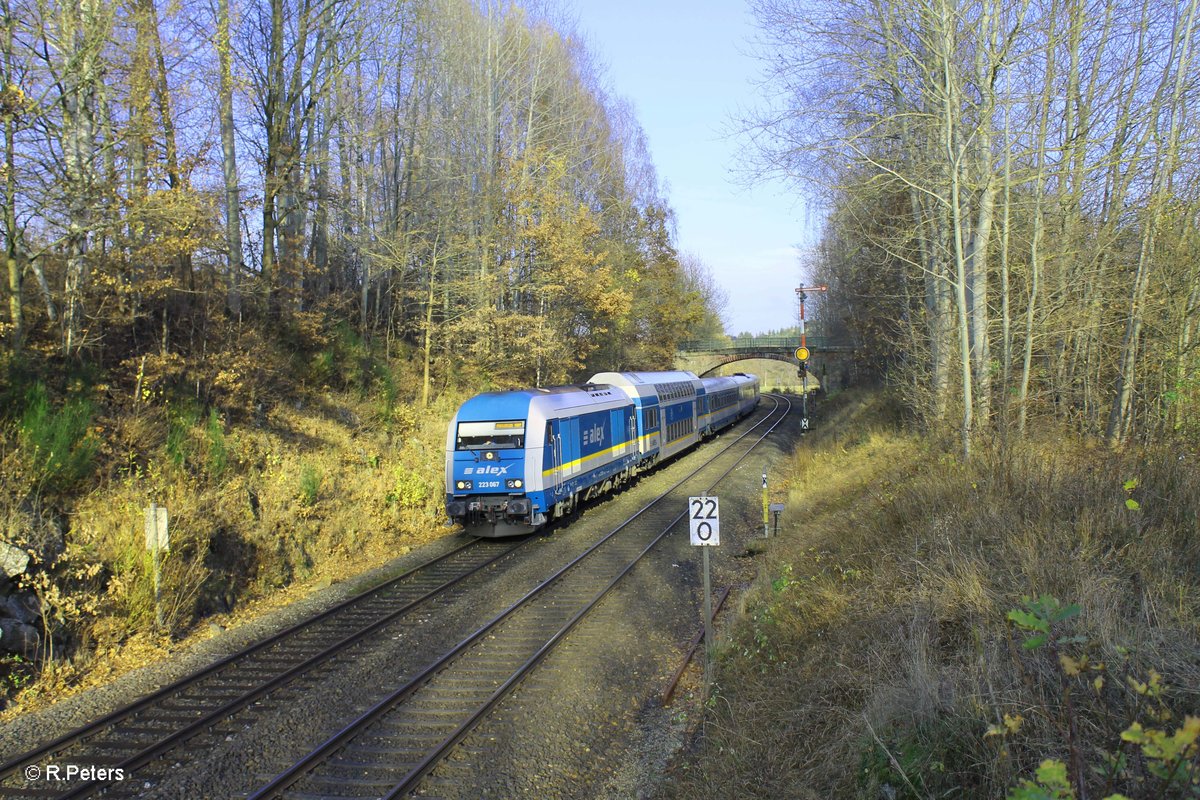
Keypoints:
(166, 224)
(1052, 773)
(13, 101)
(1070, 665)
(1012, 724)
(1151, 688)
(1159, 745)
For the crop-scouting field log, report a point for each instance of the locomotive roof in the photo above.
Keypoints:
(515, 404)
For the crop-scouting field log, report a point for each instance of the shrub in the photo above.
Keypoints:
(310, 484)
(218, 451)
(410, 489)
(344, 362)
(59, 448)
(180, 422)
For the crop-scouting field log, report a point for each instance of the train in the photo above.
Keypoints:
(517, 460)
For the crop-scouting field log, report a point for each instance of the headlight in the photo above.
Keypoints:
(463, 485)
(514, 483)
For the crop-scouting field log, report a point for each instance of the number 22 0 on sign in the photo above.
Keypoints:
(704, 519)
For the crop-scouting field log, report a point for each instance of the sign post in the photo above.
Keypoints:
(704, 521)
(802, 353)
(766, 526)
(157, 539)
(776, 509)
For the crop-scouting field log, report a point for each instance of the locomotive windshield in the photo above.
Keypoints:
(490, 435)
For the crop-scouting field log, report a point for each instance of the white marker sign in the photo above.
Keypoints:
(157, 536)
(704, 519)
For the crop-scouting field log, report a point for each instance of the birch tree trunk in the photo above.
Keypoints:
(1037, 232)
(83, 32)
(229, 168)
(12, 105)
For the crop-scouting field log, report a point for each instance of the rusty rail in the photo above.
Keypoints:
(669, 692)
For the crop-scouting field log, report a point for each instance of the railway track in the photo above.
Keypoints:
(127, 739)
(388, 750)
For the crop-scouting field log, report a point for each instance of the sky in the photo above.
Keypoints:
(685, 66)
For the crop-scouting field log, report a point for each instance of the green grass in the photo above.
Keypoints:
(58, 448)
(310, 484)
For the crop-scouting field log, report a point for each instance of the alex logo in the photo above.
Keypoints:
(593, 435)
(490, 469)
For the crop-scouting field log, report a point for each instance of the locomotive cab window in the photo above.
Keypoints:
(490, 435)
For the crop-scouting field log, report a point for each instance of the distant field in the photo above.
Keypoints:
(774, 374)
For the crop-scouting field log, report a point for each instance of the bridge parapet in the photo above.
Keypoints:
(704, 356)
(732, 345)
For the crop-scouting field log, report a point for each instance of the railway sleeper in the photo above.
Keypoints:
(296, 794)
(328, 787)
(366, 770)
(402, 739)
(186, 711)
(125, 747)
(456, 701)
(389, 752)
(418, 728)
(436, 715)
(218, 693)
(31, 792)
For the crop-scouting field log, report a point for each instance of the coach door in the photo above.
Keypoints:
(554, 447)
(569, 446)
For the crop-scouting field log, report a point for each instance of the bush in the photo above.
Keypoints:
(218, 451)
(59, 447)
(181, 421)
(310, 484)
(410, 490)
(345, 362)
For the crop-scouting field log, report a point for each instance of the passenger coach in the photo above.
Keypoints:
(667, 406)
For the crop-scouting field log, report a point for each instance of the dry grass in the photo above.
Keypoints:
(313, 491)
(873, 655)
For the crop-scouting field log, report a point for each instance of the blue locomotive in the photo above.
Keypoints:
(516, 460)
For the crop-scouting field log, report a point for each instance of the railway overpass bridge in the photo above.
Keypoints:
(830, 362)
